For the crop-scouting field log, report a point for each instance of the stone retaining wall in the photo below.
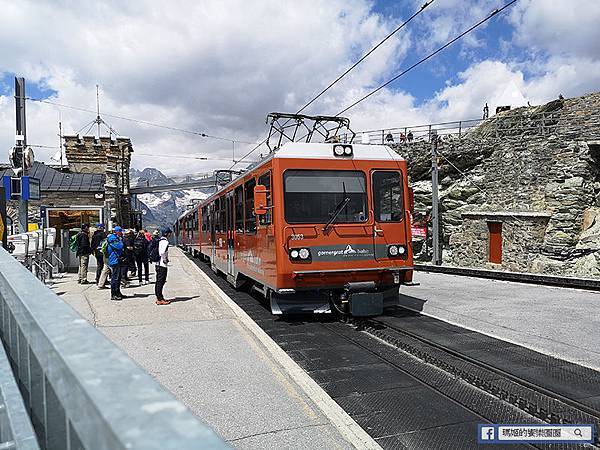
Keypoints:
(521, 162)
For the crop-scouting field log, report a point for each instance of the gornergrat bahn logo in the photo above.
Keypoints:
(342, 252)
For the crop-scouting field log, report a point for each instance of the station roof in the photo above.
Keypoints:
(54, 180)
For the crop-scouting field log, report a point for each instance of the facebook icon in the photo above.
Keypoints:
(487, 433)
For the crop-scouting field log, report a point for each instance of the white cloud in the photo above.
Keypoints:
(215, 67)
(558, 45)
(567, 28)
(220, 67)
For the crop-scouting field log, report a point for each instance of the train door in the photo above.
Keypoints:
(230, 233)
(388, 210)
(213, 233)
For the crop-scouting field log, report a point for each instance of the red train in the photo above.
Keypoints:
(312, 227)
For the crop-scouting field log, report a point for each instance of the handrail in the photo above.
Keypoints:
(16, 431)
(80, 390)
(538, 121)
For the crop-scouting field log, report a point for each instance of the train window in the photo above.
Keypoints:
(218, 215)
(313, 196)
(239, 209)
(222, 216)
(387, 196)
(265, 180)
(249, 195)
(211, 219)
(204, 218)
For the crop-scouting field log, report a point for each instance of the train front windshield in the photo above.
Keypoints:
(314, 196)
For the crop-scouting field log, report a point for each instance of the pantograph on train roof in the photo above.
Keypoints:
(286, 127)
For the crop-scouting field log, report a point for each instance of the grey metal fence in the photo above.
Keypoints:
(79, 389)
(16, 431)
(499, 126)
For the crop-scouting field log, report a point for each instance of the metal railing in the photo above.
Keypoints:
(36, 250)
(495, 126)
(16, 431)
(78, 388)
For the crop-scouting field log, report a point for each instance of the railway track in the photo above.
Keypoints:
(418, 383)
(546, 403)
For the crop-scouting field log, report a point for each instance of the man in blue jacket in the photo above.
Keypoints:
(114, 249)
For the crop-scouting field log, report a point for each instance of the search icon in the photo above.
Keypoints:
(577, 432)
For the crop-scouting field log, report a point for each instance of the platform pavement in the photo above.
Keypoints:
(200, 349)
(560, 322)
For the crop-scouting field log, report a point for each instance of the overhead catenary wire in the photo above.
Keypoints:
(139, 121)
(366, 55)
(346, 72)
(431, 55)
(202, 158)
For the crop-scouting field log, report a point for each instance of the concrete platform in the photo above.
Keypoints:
(560, 322)
(211, 357)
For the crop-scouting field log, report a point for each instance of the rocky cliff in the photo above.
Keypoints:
(535, 170)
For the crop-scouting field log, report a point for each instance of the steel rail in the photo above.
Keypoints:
(520, 277)
(373, 327)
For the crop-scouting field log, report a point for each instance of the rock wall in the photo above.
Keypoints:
(534, 169)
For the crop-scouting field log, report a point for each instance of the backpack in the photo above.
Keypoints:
(73, 243)
(153, 254)
(138, 245)
(103, 247)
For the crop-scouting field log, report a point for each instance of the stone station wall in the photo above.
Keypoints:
(536, 170)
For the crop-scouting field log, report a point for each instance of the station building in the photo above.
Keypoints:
(93, 186)
(520, 191)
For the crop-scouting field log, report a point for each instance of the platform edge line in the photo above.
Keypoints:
(339, 418)
(506, 339)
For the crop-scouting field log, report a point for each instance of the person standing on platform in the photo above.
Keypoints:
(140, 250)
(84, 250)
(153, 248)
(97, 238)
(161, 267)
(128, 259)
(114, 250)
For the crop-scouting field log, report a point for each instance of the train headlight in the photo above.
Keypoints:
(396, 251)
(294, 254)
(304, 253)
(342, 150)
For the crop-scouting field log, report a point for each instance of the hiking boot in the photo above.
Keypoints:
(163, 302)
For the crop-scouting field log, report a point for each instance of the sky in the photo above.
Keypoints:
(219, 67)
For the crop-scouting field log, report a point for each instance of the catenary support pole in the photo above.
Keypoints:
(21, 131)
(435, 210)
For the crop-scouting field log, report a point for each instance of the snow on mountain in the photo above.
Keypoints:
(163, 208)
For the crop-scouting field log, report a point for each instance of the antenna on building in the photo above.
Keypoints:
(98, 119)
(60, 140)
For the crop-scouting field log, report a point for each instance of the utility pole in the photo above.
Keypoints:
(21, 147)
(435, 207)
